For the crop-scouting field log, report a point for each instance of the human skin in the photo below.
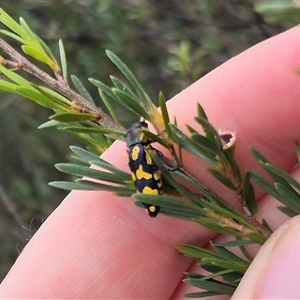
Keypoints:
(95, 245)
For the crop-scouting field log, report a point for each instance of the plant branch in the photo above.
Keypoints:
(260, 228)
(20, 62)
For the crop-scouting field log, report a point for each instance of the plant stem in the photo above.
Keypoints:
(58, 84)
(260, 228)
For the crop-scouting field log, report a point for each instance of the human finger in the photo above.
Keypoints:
(274, 273)
(92, 237)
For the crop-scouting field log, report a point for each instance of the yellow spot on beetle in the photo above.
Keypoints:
(149, 190)
(140, 173)
(133, 176)
(135, 153)
(152, 208)
(149, 159)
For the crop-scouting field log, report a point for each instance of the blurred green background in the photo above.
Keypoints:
(167, 44)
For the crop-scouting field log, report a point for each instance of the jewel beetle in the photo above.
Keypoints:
(144, 172)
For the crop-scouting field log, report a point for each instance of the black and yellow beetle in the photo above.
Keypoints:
(144, 172)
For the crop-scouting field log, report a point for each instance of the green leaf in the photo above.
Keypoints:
(108, 106)
(49, 124)
(207, 145)
(13, 76)
(11, 24)
(235, 243)
(98, 161)
(201, 113)
(120, 85)
(34, 93)
(125, 99)
(121, 175)
(124, 190)
(61, 101)
(211, 285)
(165, 114)
(262, 182)
(200, 295)
(47, 50)
(30, 35)
(103, 87)
(97, 145)
(238, 243)
(233, 278)
(215, 270)
(37, 54)
(229, 212)
(277, 172)
(154, 138)
(266, 225)
(169, 203)
(73, 117)
(130, 77)
(210, 131)
(256, 237)
(196, 252)
(81, 89)
(69, 186)
(289, 197)
(38, 97)
(222, 178)
(217, 227)
(289, 212)
(63, 59)
(84, 154)
(231, 166)
(98, 130)
(34, 42)
(228, 264)
(169, 176)
(259, 157)
(171, 212)
(186, 143)
(12, 35)
(81, 171)
(248, 196)
(42, 95)
(7, 86)
(220, 264)
(189, 180)
(230, 260)
(281, 189)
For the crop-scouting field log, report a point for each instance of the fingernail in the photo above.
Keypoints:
(280, 277)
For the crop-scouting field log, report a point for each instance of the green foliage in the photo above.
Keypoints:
(284, 187)
(183, 61)
(226, 269)
(120, 181)
(283, 12)
(31, 44)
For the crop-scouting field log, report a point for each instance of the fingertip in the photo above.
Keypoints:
(274, 273)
